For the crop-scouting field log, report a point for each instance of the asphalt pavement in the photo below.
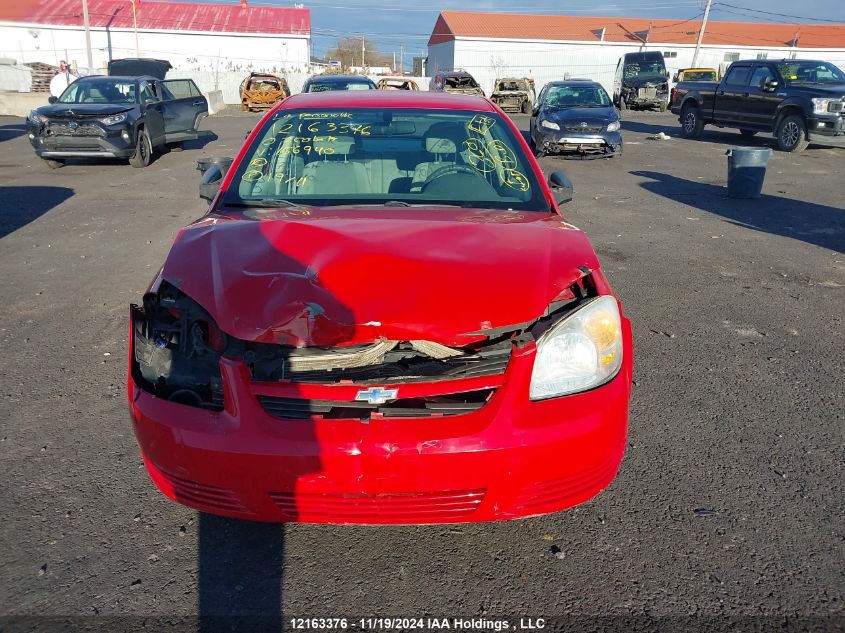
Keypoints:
(726, 515)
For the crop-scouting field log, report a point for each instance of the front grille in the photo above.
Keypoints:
(196, 494)
(556, 492)
(590, 129)
(410, 507)
(430, 406)
(83, 129)
(489, 362)
(647, 93)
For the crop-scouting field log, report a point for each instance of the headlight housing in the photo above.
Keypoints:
(36, 118)
(551, 125)
(582, 351)
(614, 127)
(114, 119)
(823, 106)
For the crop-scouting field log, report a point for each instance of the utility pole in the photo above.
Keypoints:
(701, 33)
(87, 25)
(402, 59)
(135, 24)
(363, 65)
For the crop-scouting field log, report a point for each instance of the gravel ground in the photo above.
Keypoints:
(727, 513)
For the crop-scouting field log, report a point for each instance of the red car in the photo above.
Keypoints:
(383, 318)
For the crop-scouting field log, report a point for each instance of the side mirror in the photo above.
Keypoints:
(53, 99)
(666, 74)
(562, 186)
(149, 101)
(770, 85)
(675, 78)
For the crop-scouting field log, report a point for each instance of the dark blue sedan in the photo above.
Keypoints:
(575, 116)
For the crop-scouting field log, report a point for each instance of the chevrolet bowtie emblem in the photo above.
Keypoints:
(376, 395)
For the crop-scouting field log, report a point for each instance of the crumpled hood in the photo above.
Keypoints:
(577, 115)
(81, 110)
(354, 275)
(639, 82)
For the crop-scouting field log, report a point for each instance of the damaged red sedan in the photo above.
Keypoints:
(383, 318)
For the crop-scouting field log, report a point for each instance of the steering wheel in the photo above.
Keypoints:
(456, 168)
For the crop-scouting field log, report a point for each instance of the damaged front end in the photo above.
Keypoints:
(177, 347)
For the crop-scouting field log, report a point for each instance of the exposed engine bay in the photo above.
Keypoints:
(178, 347)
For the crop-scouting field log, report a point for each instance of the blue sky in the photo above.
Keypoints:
(392, 24)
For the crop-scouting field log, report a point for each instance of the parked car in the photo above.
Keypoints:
(397, 83)
(696, 74)
(456, 82)
(326, 83)
(514, 95)
(575, 115)
(116, 117)
(641, 81)
(261, 91)
(799, 101)
(383, 318)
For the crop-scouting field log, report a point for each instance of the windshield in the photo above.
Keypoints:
(512, 85)
(398, 157)
(810, 73)
(644, 69)
(325, 86)
(577, 97)
(700, 75)
(103, 90)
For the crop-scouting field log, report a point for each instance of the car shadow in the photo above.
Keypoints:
(9, 132)
(241, 569)
(812, 223)
(204, 137)
(22, 205)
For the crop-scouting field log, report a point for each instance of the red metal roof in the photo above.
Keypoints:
(451, 24)
(167, 16)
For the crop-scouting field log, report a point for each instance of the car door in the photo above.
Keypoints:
(535, 111)
(762, 100)
(151, 108)
(732, 95)
(183, 105)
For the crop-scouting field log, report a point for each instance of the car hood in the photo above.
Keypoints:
(577, 115)
(639, 82)
(81, 110)
(347, 276)
(822, 90)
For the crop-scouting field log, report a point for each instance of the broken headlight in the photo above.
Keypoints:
(177, 349)
(582, 351)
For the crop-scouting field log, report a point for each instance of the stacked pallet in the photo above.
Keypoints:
(41, 76)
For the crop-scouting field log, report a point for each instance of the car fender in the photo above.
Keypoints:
(792, 105)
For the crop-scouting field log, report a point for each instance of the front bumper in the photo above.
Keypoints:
(110, 144)
(634, 99)
(826, 130)
(511, 458)
(561, 142)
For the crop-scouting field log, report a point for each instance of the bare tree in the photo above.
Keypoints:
(348, 52)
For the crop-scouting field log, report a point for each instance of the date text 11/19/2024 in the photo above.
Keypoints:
(420, 624)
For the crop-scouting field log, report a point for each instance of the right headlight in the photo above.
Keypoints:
(582, 351)
(614, 126)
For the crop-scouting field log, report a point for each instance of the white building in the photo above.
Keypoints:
(549, 47)
(193, 36)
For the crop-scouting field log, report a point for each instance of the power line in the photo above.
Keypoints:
(780, 15)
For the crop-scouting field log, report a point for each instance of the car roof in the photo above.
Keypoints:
(341, 78)
(574, 82)
(387, 99)
(120, 77)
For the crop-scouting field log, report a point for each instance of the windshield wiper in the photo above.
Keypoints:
(264, 203)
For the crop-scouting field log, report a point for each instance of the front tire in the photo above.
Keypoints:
(143, 150)
(53, 164)
(792, 134)
(691, 123)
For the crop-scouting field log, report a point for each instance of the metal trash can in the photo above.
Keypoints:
(224, 162)
(747, 170)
